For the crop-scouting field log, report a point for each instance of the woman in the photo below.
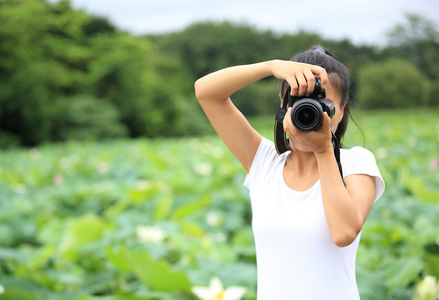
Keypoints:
(307, 220)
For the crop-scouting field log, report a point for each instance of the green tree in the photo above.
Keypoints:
(52, 54)
(291, 44)
(207, 47)
(43, 56)
(97, 25)
(83, 117)
(391, 84)
(145, 86)
(417, 40)
(23, 95)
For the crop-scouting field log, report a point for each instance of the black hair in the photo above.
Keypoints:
(338, 75)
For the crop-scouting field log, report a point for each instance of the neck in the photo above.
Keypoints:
(302, 163)
(301, 170)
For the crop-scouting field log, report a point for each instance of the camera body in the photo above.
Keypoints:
(307, 111)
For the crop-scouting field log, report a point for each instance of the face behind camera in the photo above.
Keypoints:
(307, 111)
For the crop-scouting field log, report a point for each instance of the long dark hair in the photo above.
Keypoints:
(338, 76)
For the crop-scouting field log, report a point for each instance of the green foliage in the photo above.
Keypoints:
(202, 51)
(156, 274)
(72, 215)
(149, 90)
(52, 54)
(84, 117)
(207, 47)
(260, 98)
(43, 57)
(399, 240)
(8, 140)
(290, 44)
(434, 99)
(392, 83)
(417, 40)
(78, 233)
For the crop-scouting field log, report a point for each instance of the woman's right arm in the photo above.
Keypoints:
(213, 91)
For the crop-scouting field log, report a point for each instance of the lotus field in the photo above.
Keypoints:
(169, 218)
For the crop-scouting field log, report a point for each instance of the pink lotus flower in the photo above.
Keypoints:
(433, 164)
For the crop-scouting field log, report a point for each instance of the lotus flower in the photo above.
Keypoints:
(427, 289)
(216, 291)
(150, 234)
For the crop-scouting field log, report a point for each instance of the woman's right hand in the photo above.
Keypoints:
(300, 76)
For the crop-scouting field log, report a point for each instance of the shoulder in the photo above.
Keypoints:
(359, 160)
(356, 151)
(266, 149)
(266, 156)
(265, 162)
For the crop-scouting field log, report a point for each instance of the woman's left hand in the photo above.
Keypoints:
(317, 141)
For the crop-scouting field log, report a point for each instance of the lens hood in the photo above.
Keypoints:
(307, 114)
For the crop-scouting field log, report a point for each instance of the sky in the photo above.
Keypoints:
(362, 21)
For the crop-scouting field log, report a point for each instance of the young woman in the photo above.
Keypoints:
(307, 220)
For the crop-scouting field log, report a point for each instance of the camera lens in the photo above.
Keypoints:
(307, 115)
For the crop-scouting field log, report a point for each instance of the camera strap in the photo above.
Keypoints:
(280, 137)
(281, 140)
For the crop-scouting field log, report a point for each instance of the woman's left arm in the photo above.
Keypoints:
(346, 207)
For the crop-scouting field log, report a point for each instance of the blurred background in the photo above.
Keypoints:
(113, 184)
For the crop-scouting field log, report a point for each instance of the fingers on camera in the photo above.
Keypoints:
(303, 85)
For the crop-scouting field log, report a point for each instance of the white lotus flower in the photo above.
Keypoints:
(213, 219)
(203, 169)
(216, 291)
(427, 289)
(103, 167)
(58, 179)
(150, 234)
(382, 153)
(412, 141)
(144, 185)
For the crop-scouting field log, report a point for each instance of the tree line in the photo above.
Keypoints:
(66, 74)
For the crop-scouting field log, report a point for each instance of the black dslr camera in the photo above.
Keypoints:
(307, 111)
(307, 115)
